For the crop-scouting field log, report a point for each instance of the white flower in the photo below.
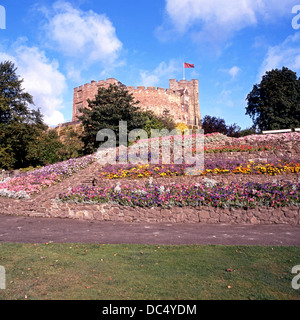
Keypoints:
(209, 182)
(161, 189)
(14, 194)
(117, 188)
(150, 181)
(5, 180)
(139, 191)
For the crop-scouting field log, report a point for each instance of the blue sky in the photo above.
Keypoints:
(59, 45)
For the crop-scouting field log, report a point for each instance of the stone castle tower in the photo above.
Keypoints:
(181, 99)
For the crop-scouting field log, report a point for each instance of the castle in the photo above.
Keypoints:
(181, 99)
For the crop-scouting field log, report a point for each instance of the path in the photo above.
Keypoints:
(42, 230)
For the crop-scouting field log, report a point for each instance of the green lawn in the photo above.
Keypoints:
(129, 272)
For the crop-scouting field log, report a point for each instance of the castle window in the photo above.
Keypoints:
(77, 107)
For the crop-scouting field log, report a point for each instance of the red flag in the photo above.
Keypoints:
(188, 65)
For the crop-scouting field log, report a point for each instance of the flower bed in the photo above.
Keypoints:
(26, 184)
(216, 140)
(167, 149)
(241, 148)
(211, 166)
(143, 171)
(269, 138)
(275, 167)
(208, 138)
(248, 195)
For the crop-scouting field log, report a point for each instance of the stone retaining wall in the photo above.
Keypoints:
(110, 212)
(287, 142)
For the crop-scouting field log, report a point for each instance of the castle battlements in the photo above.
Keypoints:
(151, 90)
(100, 83)
(103, 83)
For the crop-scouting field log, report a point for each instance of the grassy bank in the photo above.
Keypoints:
(128, 272)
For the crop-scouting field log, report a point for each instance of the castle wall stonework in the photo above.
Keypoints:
(181, 99)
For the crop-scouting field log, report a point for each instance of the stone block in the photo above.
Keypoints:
(224, 218)
(205, 214)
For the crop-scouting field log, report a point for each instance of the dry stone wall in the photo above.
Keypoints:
(111, 212)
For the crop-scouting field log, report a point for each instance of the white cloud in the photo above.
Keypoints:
(186, 12)
(86, 35)
(42, 80)
(218, 19)
(234, 71)
(162, 71)
(286, 54)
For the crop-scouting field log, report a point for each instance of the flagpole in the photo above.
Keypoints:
(183, 72)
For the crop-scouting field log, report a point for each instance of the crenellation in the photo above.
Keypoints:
(112, 81)
(144, 89)
(101, 82)
(94, 83)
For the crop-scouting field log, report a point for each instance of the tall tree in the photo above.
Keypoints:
(274, 103)
(14, 111)
(24, 140)
(13, 100)
(110, 106)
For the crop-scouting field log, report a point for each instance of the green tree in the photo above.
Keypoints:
(71, 144)
(110, 106)
(13, 100)
(167, 120)
(248, 131)
(274, 103)
(14, 113)
(24, 138)
(43, 148)
(213, 124)
(151, 121)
